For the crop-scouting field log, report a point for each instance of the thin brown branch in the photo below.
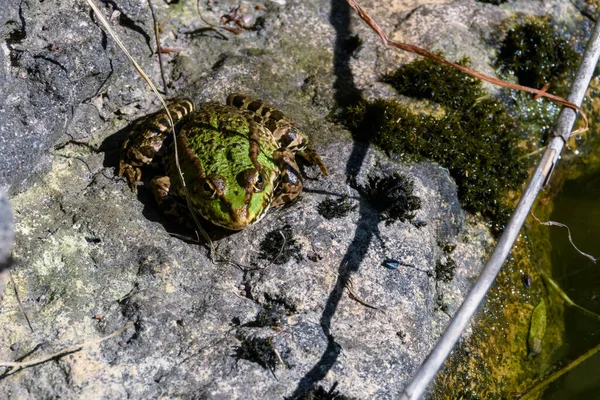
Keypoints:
(158, 52)
(495, 81)
(17, 366)
(553, 223)
(232, 17)
(166, 50)
(349, 285)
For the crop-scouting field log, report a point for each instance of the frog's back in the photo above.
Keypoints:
(225, 146)
(221, 137)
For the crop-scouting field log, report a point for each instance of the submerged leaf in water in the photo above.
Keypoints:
(537, 328)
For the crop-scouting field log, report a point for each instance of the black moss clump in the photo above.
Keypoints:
(270, 315)
(330, 208)
(476, 139)
(319, 393)
(447, 248)
(279, 246)
(494, 2)
(260, 351)
(393, 198)
(444, 271)
(537, 54)
(445, 266)
(441, 304)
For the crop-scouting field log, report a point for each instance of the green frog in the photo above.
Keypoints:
(238, 159)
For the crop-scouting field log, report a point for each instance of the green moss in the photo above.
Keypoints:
(537, 53)
(476, 140)
(507, 330)
(426, 79)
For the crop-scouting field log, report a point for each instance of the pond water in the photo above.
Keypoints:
(578, 206)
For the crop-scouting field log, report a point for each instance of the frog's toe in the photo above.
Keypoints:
(131, 173)
(312, 157)
(160, 186)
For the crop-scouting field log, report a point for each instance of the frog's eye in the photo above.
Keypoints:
(259, 183)
(208, 190)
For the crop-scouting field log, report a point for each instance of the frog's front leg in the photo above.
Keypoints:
(147, 138)
(290, 184)
(161, 187)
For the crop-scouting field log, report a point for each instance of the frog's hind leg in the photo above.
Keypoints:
(146, 139)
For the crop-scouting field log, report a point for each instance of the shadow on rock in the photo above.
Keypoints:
(346, 94)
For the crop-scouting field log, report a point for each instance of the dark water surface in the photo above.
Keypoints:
(578, 206)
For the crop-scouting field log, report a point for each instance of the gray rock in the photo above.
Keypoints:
(91, 256)
(7, 236)
(6, 228)
(55, 60)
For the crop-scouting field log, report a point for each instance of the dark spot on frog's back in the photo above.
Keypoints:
(271, 124)
(236, 100)
(276, 115)
(164, 124)
(208, 141)
(255, 105)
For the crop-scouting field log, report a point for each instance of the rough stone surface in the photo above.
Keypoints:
(7, 236)
(6, 227)
(91, 256)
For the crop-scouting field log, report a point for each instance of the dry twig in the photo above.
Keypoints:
(354, 296)
(233, 16)
(19, 301)
(158, 48)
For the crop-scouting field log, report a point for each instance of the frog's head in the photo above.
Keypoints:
(236, 202)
